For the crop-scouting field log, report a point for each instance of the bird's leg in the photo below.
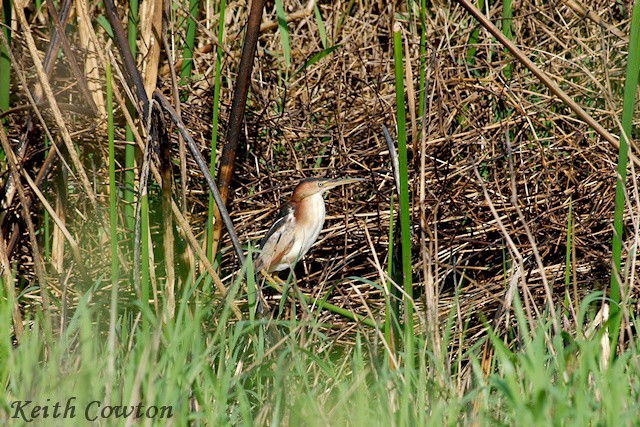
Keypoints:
(273, 282)
(276, 282)
(261, 301)
(298, 293)
(293, 281)
(304, 304)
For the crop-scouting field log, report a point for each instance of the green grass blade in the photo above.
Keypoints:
(473, 39)
(392, 308)
(507, 15)
(316, 57)
(214, 125)
(130, 148)
(630, 86)
(405, 219)
(187, 54)
(321, 28)
(113, 228)
(567, 263)
(5, 63)
(113, 214)
(284, 33)
(106, 26)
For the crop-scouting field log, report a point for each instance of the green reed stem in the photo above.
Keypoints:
(113, 214)
(130, 148)
(187, 54)
(630, 86)
(567, 262)
(284, 34)
(5, 63)
(113, 225)
(507, 15)
(423, 58)
(405, 220)
(214, 124)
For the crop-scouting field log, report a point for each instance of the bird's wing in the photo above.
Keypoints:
(278, 241)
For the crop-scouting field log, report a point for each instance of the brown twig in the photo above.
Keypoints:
(588, 13)
(205, 171)
(236, 115)
(73, 64)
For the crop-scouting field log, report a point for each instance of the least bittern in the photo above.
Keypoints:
(297, 226)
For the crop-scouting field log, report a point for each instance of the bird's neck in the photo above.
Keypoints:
(312, 210)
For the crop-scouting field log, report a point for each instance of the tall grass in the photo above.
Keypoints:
(507, 16)
(5, 63)
(214, 123)
(284, 34)
(210, 370)
(630, 86)
(187, 53)
(405, 220)
(113, 192)
(130, 149)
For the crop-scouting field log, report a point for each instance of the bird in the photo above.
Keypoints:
(297, 226)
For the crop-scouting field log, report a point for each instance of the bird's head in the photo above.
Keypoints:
(310, 186)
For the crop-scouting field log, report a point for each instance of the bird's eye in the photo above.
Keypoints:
(321, 184)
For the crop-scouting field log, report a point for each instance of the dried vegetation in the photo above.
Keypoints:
(326, 119)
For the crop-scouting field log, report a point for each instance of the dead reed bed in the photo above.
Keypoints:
(482, 110)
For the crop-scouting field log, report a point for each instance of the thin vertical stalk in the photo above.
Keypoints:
(130, 148)
(113, 216)
(5, 63)
(423, 58)
(405, 225)
(507, 15)
(567, 263)
(236, 116)
(392, 312)
(214, 125)
(144, 253)
(630, 85)
(46, 219)
(187, 53)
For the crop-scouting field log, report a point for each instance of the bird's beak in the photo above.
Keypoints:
(337, 182)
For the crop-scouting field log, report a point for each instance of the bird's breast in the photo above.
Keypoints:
(309, 219)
